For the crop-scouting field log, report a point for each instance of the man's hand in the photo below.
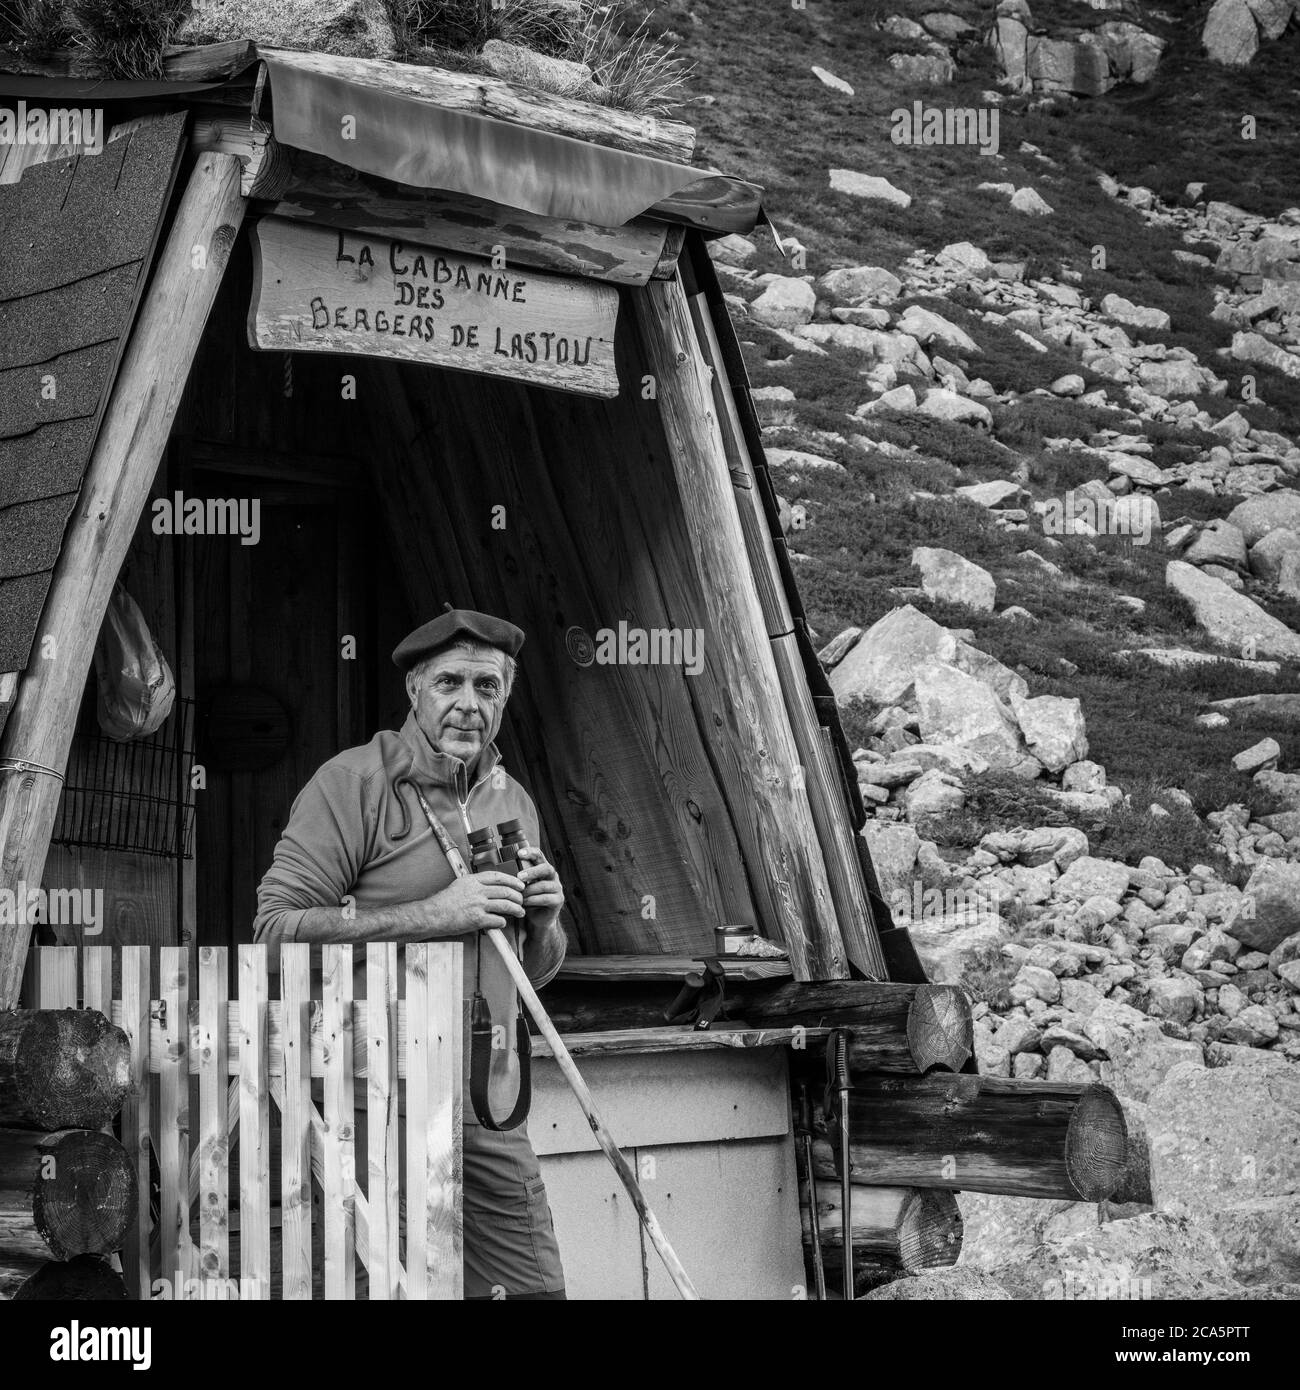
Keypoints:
(543, 893)
(476, 902)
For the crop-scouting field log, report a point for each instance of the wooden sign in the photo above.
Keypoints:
(323, 290)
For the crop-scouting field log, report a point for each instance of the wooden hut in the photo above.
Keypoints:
(459, 341)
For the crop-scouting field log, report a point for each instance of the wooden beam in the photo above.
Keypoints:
(118, 479)
(987, 1134)
(476, 94)
(208, 62)
(893, 1027)
(769, 807)
(625, 967)
(211, 62)
(834, 832)
(264, 163)
(320, 190)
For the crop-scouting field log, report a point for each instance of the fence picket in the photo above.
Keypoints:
(214, 1133)
(340, 1125)
(56, 978)
(443, 1214)
(254, 1126)
(97, 979)
(174, 1119)
(295, 1113)
(134, 1021)
(418, 1027)
(381, 1116)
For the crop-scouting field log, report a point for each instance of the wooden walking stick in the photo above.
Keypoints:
(535, 1007)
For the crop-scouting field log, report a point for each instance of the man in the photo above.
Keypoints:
(359, 861)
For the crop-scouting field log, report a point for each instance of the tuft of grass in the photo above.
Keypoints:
(464, 26)
(124, 39)
(636, 70)
(37, 27)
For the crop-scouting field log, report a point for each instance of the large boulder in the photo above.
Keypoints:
(1089, 877)
(924, 69)
(951, 578)
(1220, 543)
(348, 28)
(955, 1285)
(1137, 1054)
(1054, 729)
(948, 946)
(1273, 511)
(787, 302)
(892, 846)
(1266, 554)
(1230, 35)
(1061, 65)
(883, 664)
(957, 708)
(948, 405)
(868, 186)
(1173, 377)
(925, 326)
(1156, 1255)
(1224, 1149)
(1231, 618)
(852, 283)
(1254, 347)
(513, 62)
(1134, 315)
(1273, 891)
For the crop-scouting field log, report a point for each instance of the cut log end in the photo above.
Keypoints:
(940, 1032)
(929, 1231)
(1096, 1144)
(87, 1203)
(912, 1229)
(62, 1069)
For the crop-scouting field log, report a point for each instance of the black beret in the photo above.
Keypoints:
(457, 622)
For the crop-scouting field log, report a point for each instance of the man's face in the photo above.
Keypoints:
(459, 702)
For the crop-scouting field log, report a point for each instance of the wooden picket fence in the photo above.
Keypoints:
(247, 1065)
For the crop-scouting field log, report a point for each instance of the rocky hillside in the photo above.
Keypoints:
(1034, 410)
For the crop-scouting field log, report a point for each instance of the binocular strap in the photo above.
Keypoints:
(481, 1026)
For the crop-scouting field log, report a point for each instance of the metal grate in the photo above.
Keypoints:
(131, 796)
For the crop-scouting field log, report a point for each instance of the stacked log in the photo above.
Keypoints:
(67, 1188)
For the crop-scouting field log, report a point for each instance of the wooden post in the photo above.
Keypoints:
(835, 833)
(127, 452)
(773, 818)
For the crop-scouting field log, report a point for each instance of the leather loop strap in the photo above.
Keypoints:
(480, 1058)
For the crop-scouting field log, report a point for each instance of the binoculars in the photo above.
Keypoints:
(499, 849)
